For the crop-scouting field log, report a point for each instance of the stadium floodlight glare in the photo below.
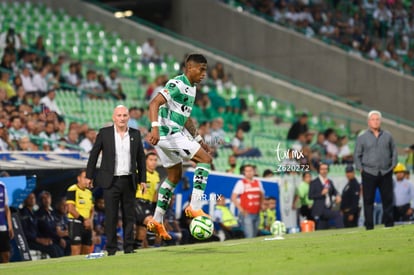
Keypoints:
(119, 14)
(128, 13)
(123, 14)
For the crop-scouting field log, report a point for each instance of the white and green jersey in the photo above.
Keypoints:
(180, 96)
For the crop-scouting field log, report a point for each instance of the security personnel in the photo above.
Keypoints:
(403, 194)
(80, 205)
(350, 199)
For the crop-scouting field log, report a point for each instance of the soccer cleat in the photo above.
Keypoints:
(158, 229)
(191, 213)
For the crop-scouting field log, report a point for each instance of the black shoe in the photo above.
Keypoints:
(111, 253)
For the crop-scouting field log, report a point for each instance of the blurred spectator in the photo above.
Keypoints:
(382, 19)
(298, 127)
(114, 86)
(344, 154)
(49, 102)
(267, 216)
(91, 85)
(204, 132)
(36, 104)
(6, 226)
(403, 194)
(8, 63)
(31, 230)
(233, 168)
(155, 87)
(72, 139)
(133, 117)
(87, 142)
(324, 195)
(332, 149)
(24, 144)
(5, 142)
(62, 146)
(39, 79)
(39, 47)
(218, 135)
(409, 161)
(350, 199)
(268, 173)
(10, 41)
(227, 224)
(62, 223)
(27, 80)
(5, 84)
(301, 199)
(49, 135)
(47, 224)
(239, 150)
(247, 196)
(146, 201)
(150, 52)
(72, 77)
(19, 98)
(99, 225)
(16, 129)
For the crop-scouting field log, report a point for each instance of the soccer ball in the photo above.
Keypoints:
(201, 228)
(278, 228)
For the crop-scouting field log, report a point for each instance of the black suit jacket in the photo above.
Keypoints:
(105, 143)
(315, 193)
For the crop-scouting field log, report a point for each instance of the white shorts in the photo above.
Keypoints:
(175, 148)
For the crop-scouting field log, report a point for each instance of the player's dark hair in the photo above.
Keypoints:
(197, 58)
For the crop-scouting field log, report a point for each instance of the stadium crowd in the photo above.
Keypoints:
(381, 30)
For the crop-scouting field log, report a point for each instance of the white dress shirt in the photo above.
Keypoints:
(122, 154)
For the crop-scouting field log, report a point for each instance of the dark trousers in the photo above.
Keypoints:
(400, 213)
(120, 193)
(53, 250)
(369, 185)
(353, 222)
(322, 221)
(306, 212)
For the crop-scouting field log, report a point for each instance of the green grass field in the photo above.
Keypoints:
(345, 251)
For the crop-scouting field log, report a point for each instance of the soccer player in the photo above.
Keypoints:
(147, 199)
(169, 113)
(80, 203)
